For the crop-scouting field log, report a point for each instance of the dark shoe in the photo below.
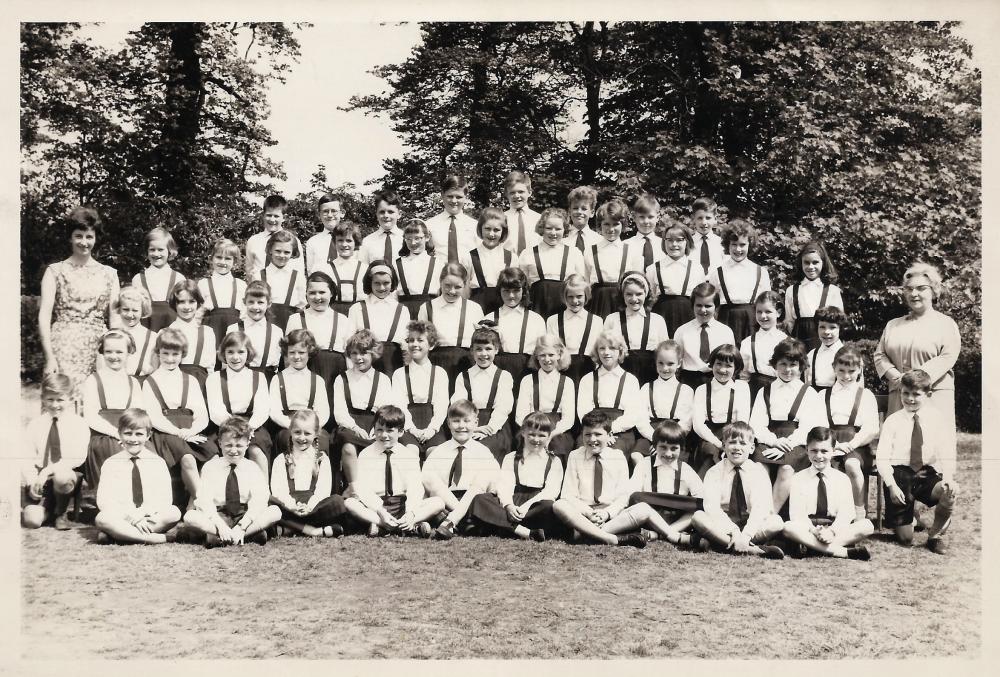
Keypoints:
(537, 535)
(937, 546)
(859, 552)
(634, 540)
(104, 539)
(772, 552)
(424, 530)
(63, 523)
(575, 536)
(445, 532)
(260, 538)
(212, 541)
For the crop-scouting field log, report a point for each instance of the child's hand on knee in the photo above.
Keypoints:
(897, 495)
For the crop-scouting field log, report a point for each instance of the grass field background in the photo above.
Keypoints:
(491, 598)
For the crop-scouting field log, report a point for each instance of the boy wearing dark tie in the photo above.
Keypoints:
(917, 463)
(821, 505)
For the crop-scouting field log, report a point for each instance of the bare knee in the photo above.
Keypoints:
(785, 472)
(188, 463)
(64, 481)
(852, 467)
(32, 516)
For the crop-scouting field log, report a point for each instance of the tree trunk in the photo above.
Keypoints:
(184, 100)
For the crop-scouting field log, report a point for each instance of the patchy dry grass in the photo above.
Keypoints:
(491, 598)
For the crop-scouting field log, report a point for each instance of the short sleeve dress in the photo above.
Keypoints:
(79, 316)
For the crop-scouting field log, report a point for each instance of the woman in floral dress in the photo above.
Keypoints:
(77, 297)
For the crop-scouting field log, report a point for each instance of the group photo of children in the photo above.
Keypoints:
(646, 324)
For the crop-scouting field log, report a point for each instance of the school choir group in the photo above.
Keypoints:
(524, 374)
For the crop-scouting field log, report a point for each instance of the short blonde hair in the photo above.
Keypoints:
(614, 339)
(550, 341)
(136, 295)
(933, 275)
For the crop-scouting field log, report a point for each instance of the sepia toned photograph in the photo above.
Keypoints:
(440, 339)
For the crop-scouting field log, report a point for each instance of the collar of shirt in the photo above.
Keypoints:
(241, 375)
(590, 454)
(605, 244)
(544, 376)
(773, 332)
(729, 263)
(445, 304)
(616, 372)
(252, 324)
(475, 371)
(813, 472)
(811, 283)
(421, 368)
(837, 345)
(778, 384)
(670, 263)
(728, 467)
(373, 300)
(365, 377)
(629, 313)
(660, 462)
(718, 387)
(839, 387)
(275, 270)
(507, 310)
(145, 455)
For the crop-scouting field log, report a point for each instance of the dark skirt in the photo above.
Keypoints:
(391, 359)
(845, 433)
(328, 365)
(641, 364)
(326, 513)
(260, 439)
(101, 448)
(342, 307)
(806, 329)
(364, 420)
(486, 510)
(172, 449)
(421, 414)
(605, 298)
(675, 310)
(453, 359)
(579, 366)
(705, 454)
(279, 313)
(488, 299)
(162, 316)
(218, 320)
(561, 445)
(670, 506)
(413, 302)
(758, 381)
(797, 458)
(516, 364)
(693, 379)
(546, 298)
(740, 317)
(200, 374)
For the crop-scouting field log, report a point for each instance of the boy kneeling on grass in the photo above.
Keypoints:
(821, 505)
(232, 503)
(739, 510)
(596, 488)
(57, 443)
(134, 497)
(917, 463)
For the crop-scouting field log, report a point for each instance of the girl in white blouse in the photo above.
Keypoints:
(814, 289)
(550, 262)
(382, 314)
(739, 280)
(550, 391)
(485, 262)
(159, 278)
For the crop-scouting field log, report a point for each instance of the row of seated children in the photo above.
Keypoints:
(528, 496)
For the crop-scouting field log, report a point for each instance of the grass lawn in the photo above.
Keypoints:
(492, 598)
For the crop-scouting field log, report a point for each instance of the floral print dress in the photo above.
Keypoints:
(80, 316)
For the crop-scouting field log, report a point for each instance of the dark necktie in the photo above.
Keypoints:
(455, 476)
(704, 254)
(388, 472)
(822, 509)
(579, 241)
(331, 253)
(703, 350)
(917, 445)
(53, 448)
(520, 231)
(136, 482)
(452, 242)
(647, 252)
(737, 498)
(387, 253)
(232, 492)
(598, 478)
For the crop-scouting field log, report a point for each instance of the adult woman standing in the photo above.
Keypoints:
(924, 339)
(78, 294)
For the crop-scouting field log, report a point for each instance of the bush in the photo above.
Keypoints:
(32, 356)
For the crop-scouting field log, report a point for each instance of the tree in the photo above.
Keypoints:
(168, 130)
(476, 98)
